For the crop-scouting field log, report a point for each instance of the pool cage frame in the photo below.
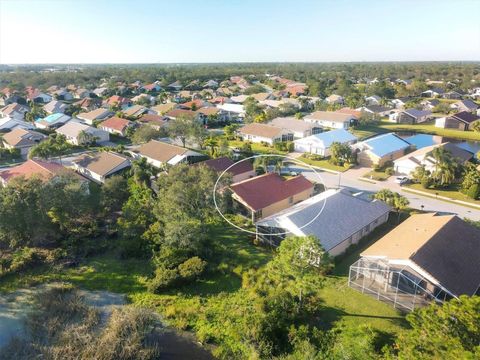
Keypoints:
(400, 286)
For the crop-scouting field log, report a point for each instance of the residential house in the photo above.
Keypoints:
(194, 104)
(14, 111)
(464, 105)
(346, 110)
(335, 99)
(153, 87)
(101, 165)
(258, 133)
(94, 115)
(135, 111)
(427, 258)
(62, 94)
(380, 149)
(75, 132)
(320, 143)
(89, 104)
(176, 86)
(411, 116)
(100, 91)
(82, 93)
(159, 154)
(45, 170)
(153, 120)
(335, 217)
(239, 171)
(331, 119)
(212, 84)
(52, 121)
(434, 92)
(55, 106)
(399, 103)
(407, 164)
(232, 112)
(378, 110)
(117, 100)
(116, 125)
(7, 124)
(37, 96)
(270, 193)
(297, 127)
(373, 100)
(206, 114)
(181, 113)
(22, 139)
(460, 121)
(163, 108)
(144, 97)
(430, 104)
(454, 94)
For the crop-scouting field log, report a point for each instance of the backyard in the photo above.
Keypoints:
(186, 307)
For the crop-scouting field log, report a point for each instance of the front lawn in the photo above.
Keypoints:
(256, 147)
(377, 175)
(451, 192)
(425, 128)
(324, 163)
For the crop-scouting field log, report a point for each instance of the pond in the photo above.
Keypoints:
(424, 140)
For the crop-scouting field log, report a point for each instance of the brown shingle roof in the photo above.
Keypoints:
(262, 191)
(262, 130)
(21, 137)
(223, 163)
(329, 116)
(102, 163)
(446, 247)
(160, 151)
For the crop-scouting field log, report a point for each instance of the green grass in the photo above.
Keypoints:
(376, 175)
(452, 193)
(426, 128)
(185, 307)
(324, 163)
(257, 148)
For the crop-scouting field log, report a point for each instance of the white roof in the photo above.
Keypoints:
(325, 139)
(236, 108)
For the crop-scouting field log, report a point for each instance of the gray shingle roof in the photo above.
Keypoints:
(342, 216)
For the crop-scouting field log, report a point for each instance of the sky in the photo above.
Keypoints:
(193, 31)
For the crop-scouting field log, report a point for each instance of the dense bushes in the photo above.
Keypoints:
(166, 278)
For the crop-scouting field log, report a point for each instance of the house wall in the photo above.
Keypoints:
(355, 238)
(285, 203)
(259, 139)
(367, 158)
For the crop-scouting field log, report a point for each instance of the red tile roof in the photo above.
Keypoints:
(117, 99)
(181, 112)
(223, 163)
(262, 191)
(43, 169)
(116, 123)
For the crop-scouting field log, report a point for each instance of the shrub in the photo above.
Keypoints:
(24, 258)
(426, 182)
(389, 171)
(164, 278)
(473, 192)
(192, 268)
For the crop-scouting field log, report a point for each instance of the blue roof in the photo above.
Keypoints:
(338, 135)
(385, 144)
(52, 118)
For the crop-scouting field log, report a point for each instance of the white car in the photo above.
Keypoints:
(401, 180)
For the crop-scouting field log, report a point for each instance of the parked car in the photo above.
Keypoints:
(402, 180)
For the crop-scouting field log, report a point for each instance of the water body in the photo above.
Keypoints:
(424, 140)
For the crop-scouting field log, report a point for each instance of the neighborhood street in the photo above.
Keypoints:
(350, 180)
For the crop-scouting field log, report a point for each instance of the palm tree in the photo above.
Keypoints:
(400, 203)
(212, 143)
(445, 166)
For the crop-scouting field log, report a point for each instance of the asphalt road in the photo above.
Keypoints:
(349, 180)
